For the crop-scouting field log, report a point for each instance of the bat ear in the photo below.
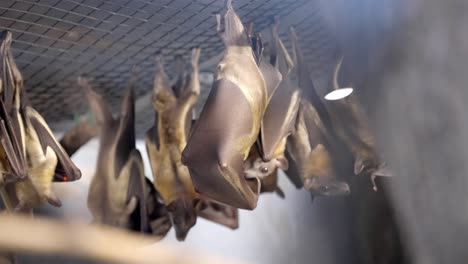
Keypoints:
(282, 163)
(199, 204)
(358, 166)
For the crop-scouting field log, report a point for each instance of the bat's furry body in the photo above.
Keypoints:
(166, 141)
(229, 123)
(352, 127)
(117, 189)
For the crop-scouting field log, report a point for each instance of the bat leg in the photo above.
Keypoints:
(53, 200)
(381, 172)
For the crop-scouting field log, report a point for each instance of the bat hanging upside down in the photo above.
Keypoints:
(229, 123)
(118, 190)
(165, 141)
(352, 127)
(32, 144)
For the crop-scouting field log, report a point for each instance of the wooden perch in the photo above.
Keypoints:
(42, 236)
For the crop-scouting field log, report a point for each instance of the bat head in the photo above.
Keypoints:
(324, 186)
(261, 169)
(183, 217)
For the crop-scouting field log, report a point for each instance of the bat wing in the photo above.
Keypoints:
(137, 188)
(293, 171)
(213, 153)
(306, 84)
(66, 170)
(11, 86)
(12, 148)
(280, 115)
(125, 139)
(152, 149)
(219, 213)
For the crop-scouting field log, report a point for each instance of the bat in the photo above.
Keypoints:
(27, 140)
(264, 171)
(77, 136)
(12, 153)
(350, 119)
(313, 150)
(117, 191)
(166, 140)
(219, 213)
(229, 122)
(280, 115)
(312, 162)
(36, 189)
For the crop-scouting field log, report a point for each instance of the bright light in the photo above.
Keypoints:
(339, 94)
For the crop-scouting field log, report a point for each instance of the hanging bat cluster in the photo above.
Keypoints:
(262, 115)
(257, 120)
(30, 156)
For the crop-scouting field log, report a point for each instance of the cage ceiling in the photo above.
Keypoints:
(55, 41)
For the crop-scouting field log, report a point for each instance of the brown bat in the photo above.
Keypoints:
(312, 165)
(28, 141)
(118, 187)
(280, 115)
(166, 140)
(311, 149)
(78, 135)
(12, 153)
(350, 120)
(229, 123)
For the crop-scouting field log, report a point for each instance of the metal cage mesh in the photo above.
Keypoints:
(55, 41)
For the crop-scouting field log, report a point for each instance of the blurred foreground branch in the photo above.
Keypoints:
(51, 237)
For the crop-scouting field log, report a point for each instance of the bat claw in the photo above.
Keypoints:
(54, 200)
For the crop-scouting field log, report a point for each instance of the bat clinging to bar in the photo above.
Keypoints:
(229, 123)
(166, 140)
(118, 187)
(350, 120)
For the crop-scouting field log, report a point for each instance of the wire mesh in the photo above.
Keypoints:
(57, 40)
